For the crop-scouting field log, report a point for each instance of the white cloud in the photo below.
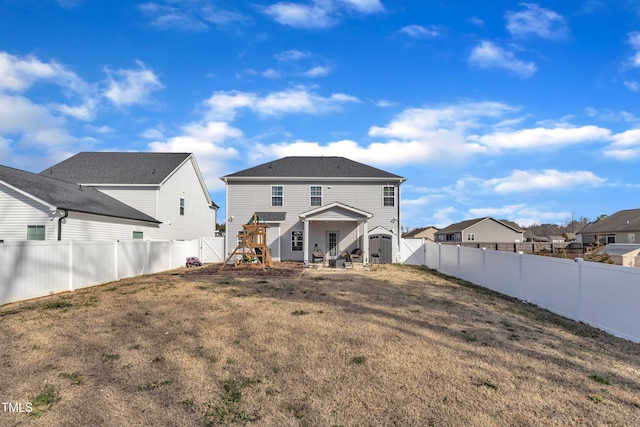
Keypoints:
(19, 73)
(195, 15)
(208, 141)
(318, 71)
(419, 32)
(634, 41)
(224, 105)
(632, 85)
(129, 87)
(549, 179)
(300, 15)
(536, 21)
(319, 14)
(487, 55)
(292, 55)
(625, 146)
(364, 6)
(541, 138)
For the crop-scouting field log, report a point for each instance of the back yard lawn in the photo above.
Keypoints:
(394, 346)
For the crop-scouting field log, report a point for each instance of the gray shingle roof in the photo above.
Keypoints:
(461, 226)
(67, 195)
(272, 216)
(116, 167)
(314, 167)
(625, 220)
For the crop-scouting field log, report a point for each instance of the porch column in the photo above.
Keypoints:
(365, 242)
(305, 242)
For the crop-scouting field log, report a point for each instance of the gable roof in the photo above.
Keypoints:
(625, 220)
(412, 233)
(116, 168)
(336, 206)
(314, 167)
(58, 194)
(463, 225)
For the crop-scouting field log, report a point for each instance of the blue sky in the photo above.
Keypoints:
(526, 111)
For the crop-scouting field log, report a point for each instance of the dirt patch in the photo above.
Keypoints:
(393, 346)
(279, 269)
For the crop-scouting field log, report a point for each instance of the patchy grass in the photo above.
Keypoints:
(395, 346)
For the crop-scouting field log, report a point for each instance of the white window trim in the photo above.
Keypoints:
(312, 196)
(301, 239)
(271, 196)
(384, 197)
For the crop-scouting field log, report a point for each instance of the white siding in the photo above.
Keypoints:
(199, 218)
(492, 231)
(245, 198)
(18, 211)
(80, 226)
(143, 199)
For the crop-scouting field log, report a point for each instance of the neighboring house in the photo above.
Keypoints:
(621, 227)
(165, 186)
(480, 230)
(421, 233)
(332, 202)
(35, 207)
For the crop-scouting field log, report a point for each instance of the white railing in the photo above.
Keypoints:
(31, 269)
(601, 295)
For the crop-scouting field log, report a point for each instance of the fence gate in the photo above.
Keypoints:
(212, 249)
(412, 251)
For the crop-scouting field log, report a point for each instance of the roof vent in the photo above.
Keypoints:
(153, 172)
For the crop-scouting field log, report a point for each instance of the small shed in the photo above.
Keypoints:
(622, 253)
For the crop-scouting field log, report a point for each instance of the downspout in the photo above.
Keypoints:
(66, 214)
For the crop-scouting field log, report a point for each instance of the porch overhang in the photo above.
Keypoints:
(337, 211)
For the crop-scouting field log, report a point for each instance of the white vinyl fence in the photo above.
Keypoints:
(31, 269)
(601, 295)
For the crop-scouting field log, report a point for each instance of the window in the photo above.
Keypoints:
(388, 196)
(138, 234)
(181, 206)
(296, 241)
(35, 232)
(471, 237)
(316, 195)
(277, 198)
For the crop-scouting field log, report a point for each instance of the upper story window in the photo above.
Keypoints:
(35, 232)
(138, 235)
(277, 195)
(388, 196)
(315, 193)
(181, 206)
(471, 237)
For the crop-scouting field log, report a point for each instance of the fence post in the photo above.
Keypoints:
(484, 266)
(71, 265)
(439, 257)
(115, 248)
(580, 290)
(424, 252)
(458, 261)
(520, 278)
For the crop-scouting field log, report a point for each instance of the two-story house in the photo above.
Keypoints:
(484, 229)
(333, 203)
(108, 196)
(166, 186)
